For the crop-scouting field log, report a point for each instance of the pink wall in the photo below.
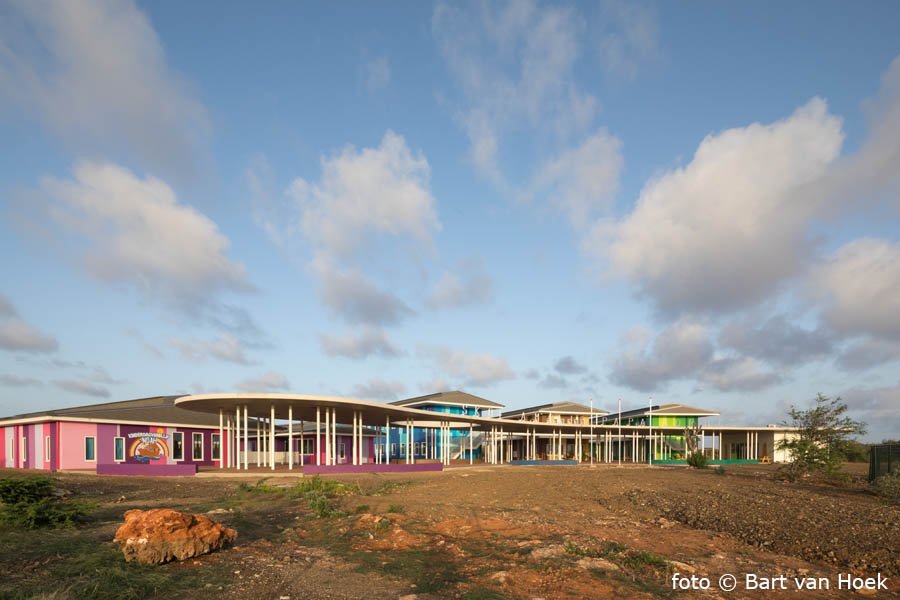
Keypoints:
(71, 445)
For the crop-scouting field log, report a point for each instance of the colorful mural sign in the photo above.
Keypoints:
(148, 446)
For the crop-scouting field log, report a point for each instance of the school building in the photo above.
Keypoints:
(177, 435)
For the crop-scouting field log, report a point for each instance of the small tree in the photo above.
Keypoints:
(823, 436)
(694, 455)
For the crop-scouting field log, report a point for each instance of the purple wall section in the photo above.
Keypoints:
(372, 468)
(176, 470)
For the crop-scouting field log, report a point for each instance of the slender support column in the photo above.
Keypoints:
(272, 437)
(387, 440)
(327, 436)
(246, 439)
(228, 448)
(290, 443)
(318, 438)
(334, 441)
(353, 436)
(236, 434)
(221, 438)
(302, 440)
(257, 443)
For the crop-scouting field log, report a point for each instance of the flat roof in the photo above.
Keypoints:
(455, 397)
(556, 407)
(155, 409)
(663, 410)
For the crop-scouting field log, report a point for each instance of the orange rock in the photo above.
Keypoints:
(161, 535)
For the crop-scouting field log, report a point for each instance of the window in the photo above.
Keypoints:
(307, 446)
(119, 449)
(216, 441)
(178, 445)
(23, 447)
(197, 446)
(90, 448)
(393, 448)
(342, 452)
(46, 448)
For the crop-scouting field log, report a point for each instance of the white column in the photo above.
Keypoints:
(257, 443)
(290, 443)
(229, 444)
(327, 436)
(302, 438)
(318, 438)
(387, 440)
(246, 439)
(221, 438)
(334, 438)
(272, 438)
(237, 437)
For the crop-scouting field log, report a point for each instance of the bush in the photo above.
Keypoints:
(29, 502)
(318, 492)
(698, 460)
(720, 470)
(888, 487)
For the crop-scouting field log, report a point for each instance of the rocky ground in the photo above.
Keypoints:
(486, 532)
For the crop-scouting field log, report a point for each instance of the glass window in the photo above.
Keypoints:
(307, 446)
(119, 449)
(342, 453)
(178, 445)
(197, 446)
(90, 448)
(216, 440)
(47, 448)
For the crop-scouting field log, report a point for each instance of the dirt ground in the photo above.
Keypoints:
(484, 532)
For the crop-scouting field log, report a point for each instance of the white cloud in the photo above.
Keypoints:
(376, 74)
(95, 73)
(10, 380)
(860, 288)
(371, 209)
(473, 368)
(226, 347)
(877, 407)
(350, 295)
(515, 64)
(18, 336)
(469, 285)
(871, 173)
(738, 374)
(85, 388)
(362, 193)
(369, 341)
(777, 341)
(869, 352)
(582, 181)
(629, 39)
(139, 234)
(679, 351)
(379, 389)
(567, 365)
(727, 229)
(270, 381)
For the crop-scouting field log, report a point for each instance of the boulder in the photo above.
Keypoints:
(161, 535)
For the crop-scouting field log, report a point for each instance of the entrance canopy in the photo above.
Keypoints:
(303, 408)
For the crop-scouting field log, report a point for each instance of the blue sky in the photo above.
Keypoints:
(532, 202)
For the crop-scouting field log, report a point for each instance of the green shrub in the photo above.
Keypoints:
(318, 494)
(720, 470)
(395, 508)
(888, 487)
(698, 460)
(30, 503)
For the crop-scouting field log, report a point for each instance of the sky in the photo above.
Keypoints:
(532, 202)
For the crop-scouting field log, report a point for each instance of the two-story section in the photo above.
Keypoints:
(567, 413)
(425, 444)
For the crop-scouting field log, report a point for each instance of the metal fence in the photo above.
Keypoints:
(883, 458)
